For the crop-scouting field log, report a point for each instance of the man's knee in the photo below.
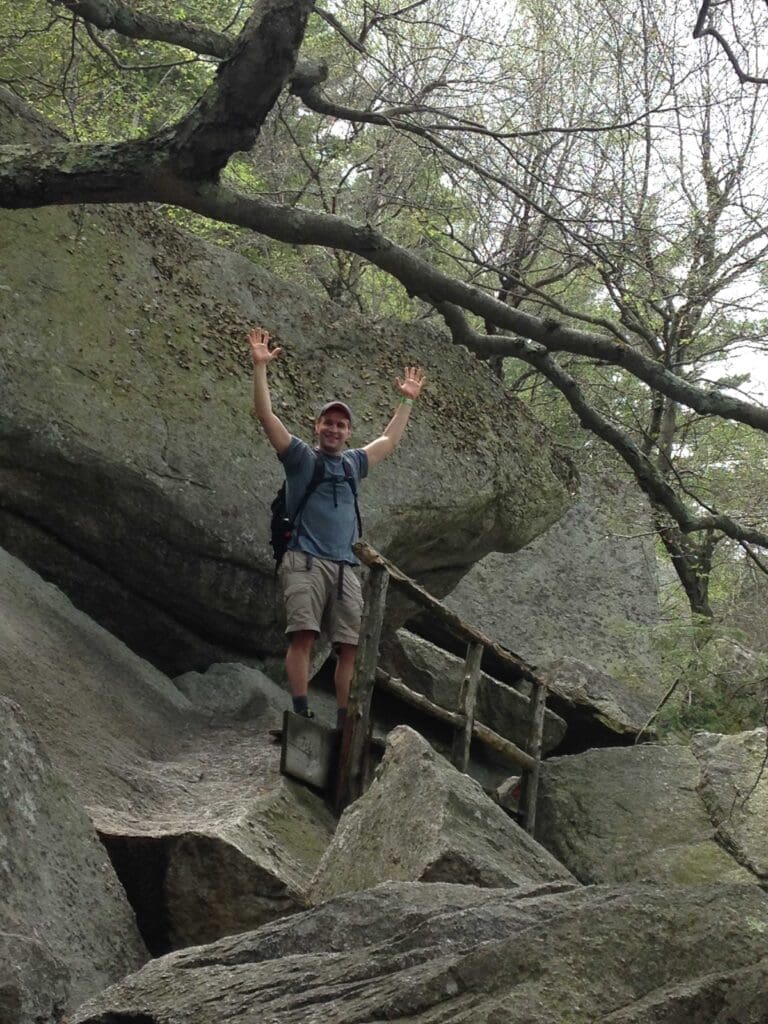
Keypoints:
(302, 640)
(346, 653)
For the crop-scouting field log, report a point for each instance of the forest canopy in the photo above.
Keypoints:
(576, 190)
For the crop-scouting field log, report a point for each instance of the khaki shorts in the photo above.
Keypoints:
(311, 598)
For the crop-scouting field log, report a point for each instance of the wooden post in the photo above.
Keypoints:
(535, 743)
(462, 737)
(351, 778)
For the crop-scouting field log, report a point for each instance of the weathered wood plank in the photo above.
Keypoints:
(509, 749)
(535, 742)
(398, 688)
(354, 744)
(465, 707)
(491, 739)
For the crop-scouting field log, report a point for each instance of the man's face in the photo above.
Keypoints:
(332, 431)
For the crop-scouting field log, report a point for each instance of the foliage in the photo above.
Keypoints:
(715, 681)
(101, 86)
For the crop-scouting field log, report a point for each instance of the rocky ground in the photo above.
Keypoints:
(642, 898)
(438, 953)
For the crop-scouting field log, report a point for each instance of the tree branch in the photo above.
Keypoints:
(650, 479)
(123, 18)
(704, 28)
(305, 227)
(229, 115)
(127, 21)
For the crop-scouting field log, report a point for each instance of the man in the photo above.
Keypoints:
(318, 593)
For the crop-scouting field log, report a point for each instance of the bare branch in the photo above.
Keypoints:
(704, 28)
(336, 25)
(121, 65)
(390, 118)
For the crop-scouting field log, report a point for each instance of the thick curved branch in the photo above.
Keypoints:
(64, 172)
(305, 227)
(230, 113)
(226, 119)
(646, 473)
(127, 21)
(123, 18)
(254, 70)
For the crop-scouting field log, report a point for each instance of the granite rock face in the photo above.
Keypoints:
(734, 789)
(627, 813)
(205, 835)
(34, 984)
(66, 929)
(132, 475)
(427, 954)
(422, 820)
(586, 589)
(599, 700)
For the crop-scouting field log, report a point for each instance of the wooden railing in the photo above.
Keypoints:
(353, 761)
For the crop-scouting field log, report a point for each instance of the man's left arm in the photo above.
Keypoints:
(410, 389)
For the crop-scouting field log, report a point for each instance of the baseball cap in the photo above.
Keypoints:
(336, 405)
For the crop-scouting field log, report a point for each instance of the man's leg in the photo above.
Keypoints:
(345, 635)
(297, 661)
(345, 666)
(303, 596)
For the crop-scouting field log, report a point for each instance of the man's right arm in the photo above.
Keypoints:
(277, 434)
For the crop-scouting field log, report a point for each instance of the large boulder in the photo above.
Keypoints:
(422, 820)
(586, 589)
(205, 836)
(132, 474)
(600, 710)
(734, 788)
(633, 954)
(626, 813)
(105, 716)
(66, 928)
(236, 856)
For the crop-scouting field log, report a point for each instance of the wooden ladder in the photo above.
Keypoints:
(353, 760)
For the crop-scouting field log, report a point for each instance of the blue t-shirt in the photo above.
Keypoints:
(327, 526)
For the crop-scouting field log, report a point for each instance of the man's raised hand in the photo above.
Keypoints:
(413, 383)
(258, 339)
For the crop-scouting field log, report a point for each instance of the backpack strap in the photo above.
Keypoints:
(349, 476)
(317, 475)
